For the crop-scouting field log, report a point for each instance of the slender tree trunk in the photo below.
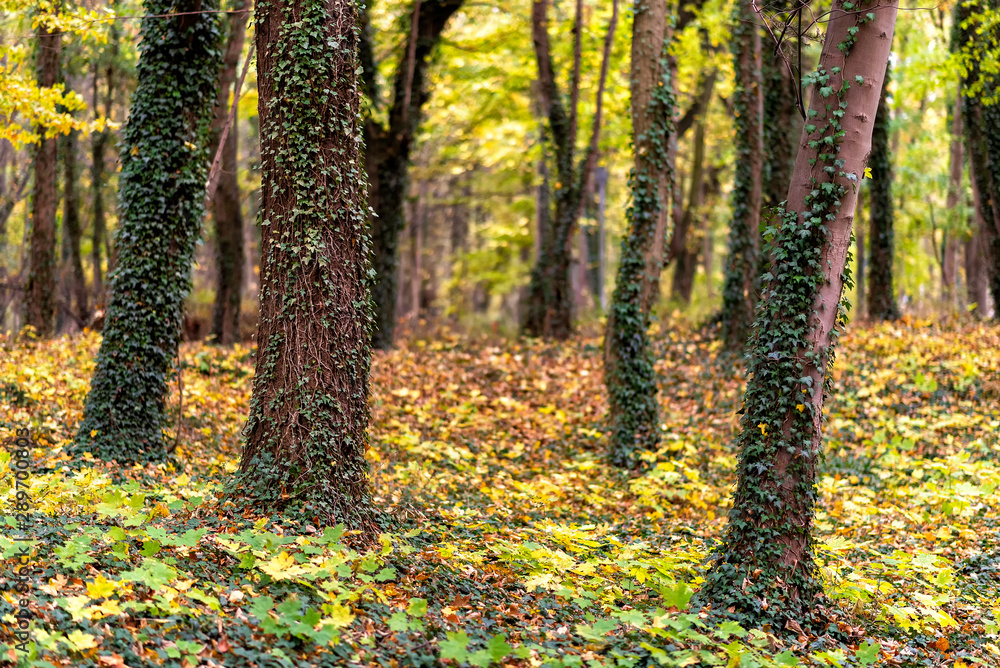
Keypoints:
(161, 191)
(72, 232)
(308, 427)
(684, 253)
(881, 301)
(739, 296)
(226, 209)
(949, 241)
(859, 233)
(549, 305)
(40, 292)
(633, 413)
(387, 158)
(764, 569)
(99, 143)
(417, 249)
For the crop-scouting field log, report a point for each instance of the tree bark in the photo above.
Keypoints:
(782, 123)
(161, 196)
(40, 291)
(387, 158)
(226, 208)
(949, 239)
(683, 253)
(881, 300)
(764, 569)
(72, 231)
(739, 296)
(307, 432)
(548, 309)
(633, 413)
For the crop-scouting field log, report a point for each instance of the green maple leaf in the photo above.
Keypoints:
(455, 646)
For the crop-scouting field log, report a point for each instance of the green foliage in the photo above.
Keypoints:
(164, 167)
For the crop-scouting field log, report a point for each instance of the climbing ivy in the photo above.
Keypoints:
(629, 374)
(161, 202)
(739, 294)
(307, 432)
(881, 301)
(764, 569)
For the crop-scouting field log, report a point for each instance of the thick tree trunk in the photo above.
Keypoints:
(981, 123)
(226, 209)
(161, 196)
(40, 292)
(548, 309)
(881, 301)
(308, 427)
(764, 569)
(739, 295)
(633, 413)
(387, 158)
(73, 233)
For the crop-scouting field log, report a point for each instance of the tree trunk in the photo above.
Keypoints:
(859, 233)
(949, 241)
(72, 232)
(683, 253)
(99, 143)
(739, 296)
(387, 158)
(308, 427)
(40, 292)
(981, 123)
(881, 301)
(782, 123)
(976, 281)
(764, 569)
(226, 210)
(548, 309)
(633, 413)
(161, 190)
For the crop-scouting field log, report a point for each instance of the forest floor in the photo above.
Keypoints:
(516, 545)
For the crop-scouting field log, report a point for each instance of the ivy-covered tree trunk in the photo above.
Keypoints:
(633, 413)
(881, 301)
(981, 123)
(40, 291)
(229, 251)
(764, 569)
(388, 148)
(161, 201)
(308, 427)
(782, 124)
(739, 295)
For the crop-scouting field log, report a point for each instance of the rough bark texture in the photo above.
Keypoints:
(764, 569)
(40, 291)
(226, 210)
(633, 413)
(161, 198)
(387, 155)
(308, 427)
(548, 308)
(739, 295)
(881, 301)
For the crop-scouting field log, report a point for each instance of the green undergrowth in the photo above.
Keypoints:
(515, 545)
